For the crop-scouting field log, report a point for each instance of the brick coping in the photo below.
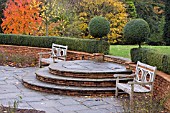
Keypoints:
(163, 75)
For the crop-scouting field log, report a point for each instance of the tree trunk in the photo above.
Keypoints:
(46, 27)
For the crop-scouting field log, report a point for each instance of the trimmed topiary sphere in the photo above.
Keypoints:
(99, 27)
(136, 31)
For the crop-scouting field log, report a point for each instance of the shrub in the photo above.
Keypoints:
(17, 60)
(143, 104)
(136, 31)
(151, 57)
(85, 45)
(99, 27)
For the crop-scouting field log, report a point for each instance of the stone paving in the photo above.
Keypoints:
(11, 89)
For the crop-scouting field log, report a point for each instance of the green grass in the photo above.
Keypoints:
(124, 50)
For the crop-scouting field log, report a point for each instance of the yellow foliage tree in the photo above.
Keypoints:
(113, 10)
(48, 12)
(53, 16)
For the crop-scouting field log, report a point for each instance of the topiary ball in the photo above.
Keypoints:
(136, 31)
(99, 27)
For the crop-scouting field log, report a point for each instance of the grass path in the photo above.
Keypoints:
(124, 50)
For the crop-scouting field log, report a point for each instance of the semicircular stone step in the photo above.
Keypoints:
(87, 69)
(31, 82)
(44, 75)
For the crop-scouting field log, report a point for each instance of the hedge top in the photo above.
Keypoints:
(85, 45)
(99, 26)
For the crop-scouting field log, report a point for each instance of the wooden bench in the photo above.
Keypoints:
(58, 53)
(142, 83)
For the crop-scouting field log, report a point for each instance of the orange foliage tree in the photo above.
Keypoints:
(22, 17)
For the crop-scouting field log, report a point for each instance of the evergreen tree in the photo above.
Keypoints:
(167, 23)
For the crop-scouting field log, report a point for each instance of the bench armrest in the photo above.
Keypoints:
(59, 56)
(44, 53)
(140, 83)
(124, 75)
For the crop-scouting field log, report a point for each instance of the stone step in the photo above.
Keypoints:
(31, 82)
(87, 69)
(44, 75)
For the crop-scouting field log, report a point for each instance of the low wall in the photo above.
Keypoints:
(162, 87)
(162, 80)
(33, 51)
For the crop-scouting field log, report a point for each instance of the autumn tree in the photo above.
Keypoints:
(113, 10)
(48, 12)
(55, 15)
(21, 17)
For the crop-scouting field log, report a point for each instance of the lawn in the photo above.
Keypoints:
(124, 50)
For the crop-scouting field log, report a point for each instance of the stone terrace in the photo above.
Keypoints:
(11, 88)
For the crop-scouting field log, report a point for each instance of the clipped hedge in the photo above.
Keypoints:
(151, 57)
(166, 64)
(85, 45)
(138, 54)
(155, 59)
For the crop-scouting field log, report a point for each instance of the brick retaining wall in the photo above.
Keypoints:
(162, 81)
(162, 87)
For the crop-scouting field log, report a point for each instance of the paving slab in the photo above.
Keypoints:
(3, 83)
(68, 101)
(72, 108)
(94, 111)
(45, 104)
(12, 81)
(33, 99)
(94, 103)
(24, 105)
(33, 94)
(7, 101)
(11, 88)
(51, 110)
(10, 95)
(55, 97)
(8, 88)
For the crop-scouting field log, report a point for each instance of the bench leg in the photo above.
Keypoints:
(116, 92)
(39, 65)
(131, 103)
